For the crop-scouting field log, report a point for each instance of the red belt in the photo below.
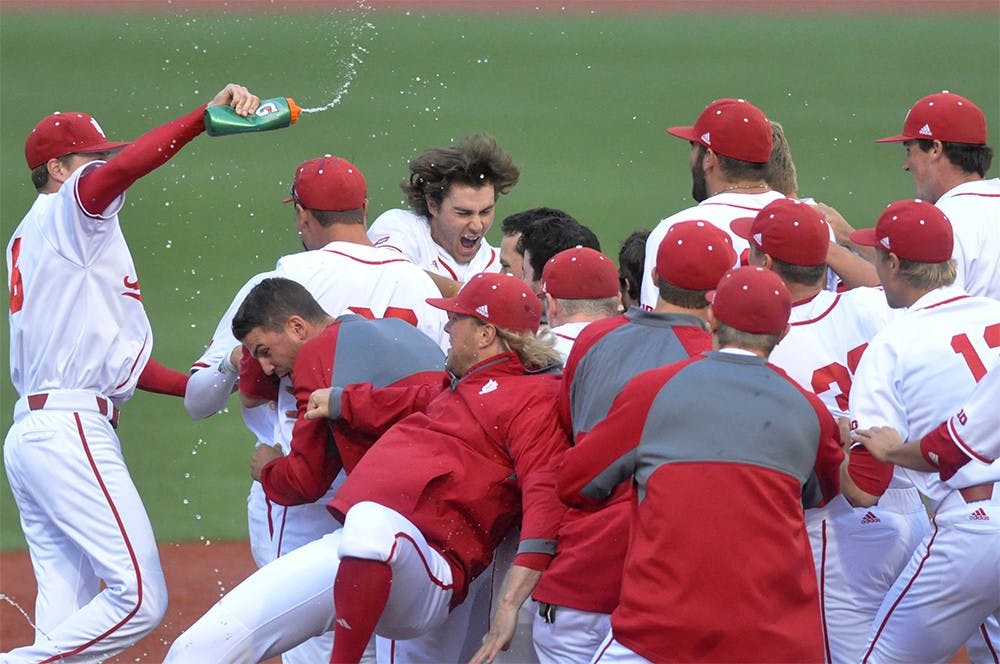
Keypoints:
(979, 492)
(102, 405)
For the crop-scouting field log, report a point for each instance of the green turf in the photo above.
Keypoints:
(580, 101)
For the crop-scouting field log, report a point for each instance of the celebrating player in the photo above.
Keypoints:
(778, 444)
(80, 340)
(946, 153)
(545, 238)
(914, 374)
(457, 464)
(730, 147)
(452, 192)
(511, 253)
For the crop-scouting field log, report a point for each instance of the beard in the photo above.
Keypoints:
(699, 190)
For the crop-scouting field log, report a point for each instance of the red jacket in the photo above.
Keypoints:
(464, 460)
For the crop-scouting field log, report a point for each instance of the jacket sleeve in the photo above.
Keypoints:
(373, 411)
(312, 463)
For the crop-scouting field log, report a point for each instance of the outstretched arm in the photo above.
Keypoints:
(518, 585)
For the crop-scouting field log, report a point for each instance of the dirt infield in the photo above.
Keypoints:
(197, 574)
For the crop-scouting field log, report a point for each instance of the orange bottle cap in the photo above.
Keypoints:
(294, 108)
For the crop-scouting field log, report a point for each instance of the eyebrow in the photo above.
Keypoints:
(257, 349)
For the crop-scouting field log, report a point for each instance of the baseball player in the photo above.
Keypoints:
(730, 148)
(511, 257)
(631, 255)
(346, 274)
(579, 286)
(545, 238)
(452, 192)
(914, 374)
(572, 619)
(858, 552)
(419, 527)
(79, 340)
(693, 473)
(946, 153)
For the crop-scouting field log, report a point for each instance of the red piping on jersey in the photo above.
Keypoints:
(563, 336)
(281, 530)
(822, 598)
(199, 365)
(137, 356)
(604, 649)
(437, 582)
(954, 299)
(128, 545)
(962, 445)
(355, 258)
(972, 193)
(833, 304)
(989, 643)
(454, 275)
(902, 594)
(493, 257)
(133, 295)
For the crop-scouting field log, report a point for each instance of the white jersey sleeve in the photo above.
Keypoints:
(974, 211)
(976, 428)
(213, 378)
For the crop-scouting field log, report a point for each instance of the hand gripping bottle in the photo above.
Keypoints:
(271, 114)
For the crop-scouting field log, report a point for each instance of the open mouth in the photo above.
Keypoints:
(469, 241)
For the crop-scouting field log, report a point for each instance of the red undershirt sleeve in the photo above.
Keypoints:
(99, 187)
(157, 378)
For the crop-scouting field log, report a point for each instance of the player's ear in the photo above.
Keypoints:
(296, 327)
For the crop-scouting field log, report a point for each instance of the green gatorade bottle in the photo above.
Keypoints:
(271, 114)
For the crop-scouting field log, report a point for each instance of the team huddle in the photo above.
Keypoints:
(762, 436)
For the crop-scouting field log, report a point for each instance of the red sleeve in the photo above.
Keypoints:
(253, 382)
(312, 463)
(157, 378)
(829, 454)
(99, 187)
(871, 475)
(940, 451)
(373, 411)
(537, 442)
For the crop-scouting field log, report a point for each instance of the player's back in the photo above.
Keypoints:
(974, 211)
(827, 336)
(373, 282)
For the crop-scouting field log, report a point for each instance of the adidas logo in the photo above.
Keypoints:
(979, 515)
(870, 518)
(490, 386)
(706, 138)
(483, 311)
(926, 131)
(343, 623)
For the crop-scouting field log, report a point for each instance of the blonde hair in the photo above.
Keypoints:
(781, 173)
(928, 275)
(535, 352)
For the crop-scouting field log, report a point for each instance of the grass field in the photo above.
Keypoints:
(581, 101)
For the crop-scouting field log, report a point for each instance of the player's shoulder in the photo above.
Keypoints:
(398, 221)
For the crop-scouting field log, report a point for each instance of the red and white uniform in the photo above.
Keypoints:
(974, 211)
(857, 552)
(975, 432)
(79, 339)
(430, 498)
(565, 336)
(916, 373)
(410, 234)
(719, 210)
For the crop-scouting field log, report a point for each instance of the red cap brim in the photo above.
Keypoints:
(898, 138)
(287, 200)
(687, 133)
(449, 304)
(742, 226)
(865, 237)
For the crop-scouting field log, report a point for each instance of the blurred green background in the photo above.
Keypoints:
(581, 100)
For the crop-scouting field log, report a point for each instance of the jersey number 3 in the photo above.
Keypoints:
(962, 345)
(16, 284)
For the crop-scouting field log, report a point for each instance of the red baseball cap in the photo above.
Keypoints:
(912, 229)
(60, 134)
(329, 183)
(944, 117)
(500, 299)
(580, 273)
(789, 230)
(752, 299)
(694, 255)
(731, 127)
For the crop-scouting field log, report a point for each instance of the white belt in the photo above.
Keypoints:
(72, 400)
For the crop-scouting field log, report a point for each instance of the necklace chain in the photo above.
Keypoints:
(762, 185)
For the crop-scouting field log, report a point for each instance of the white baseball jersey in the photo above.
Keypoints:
(974, 211)
(565, 335)
(976, 431)
(76, 314)
(410, 234)
(920, 369)
(719, 210)
(857, 552)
